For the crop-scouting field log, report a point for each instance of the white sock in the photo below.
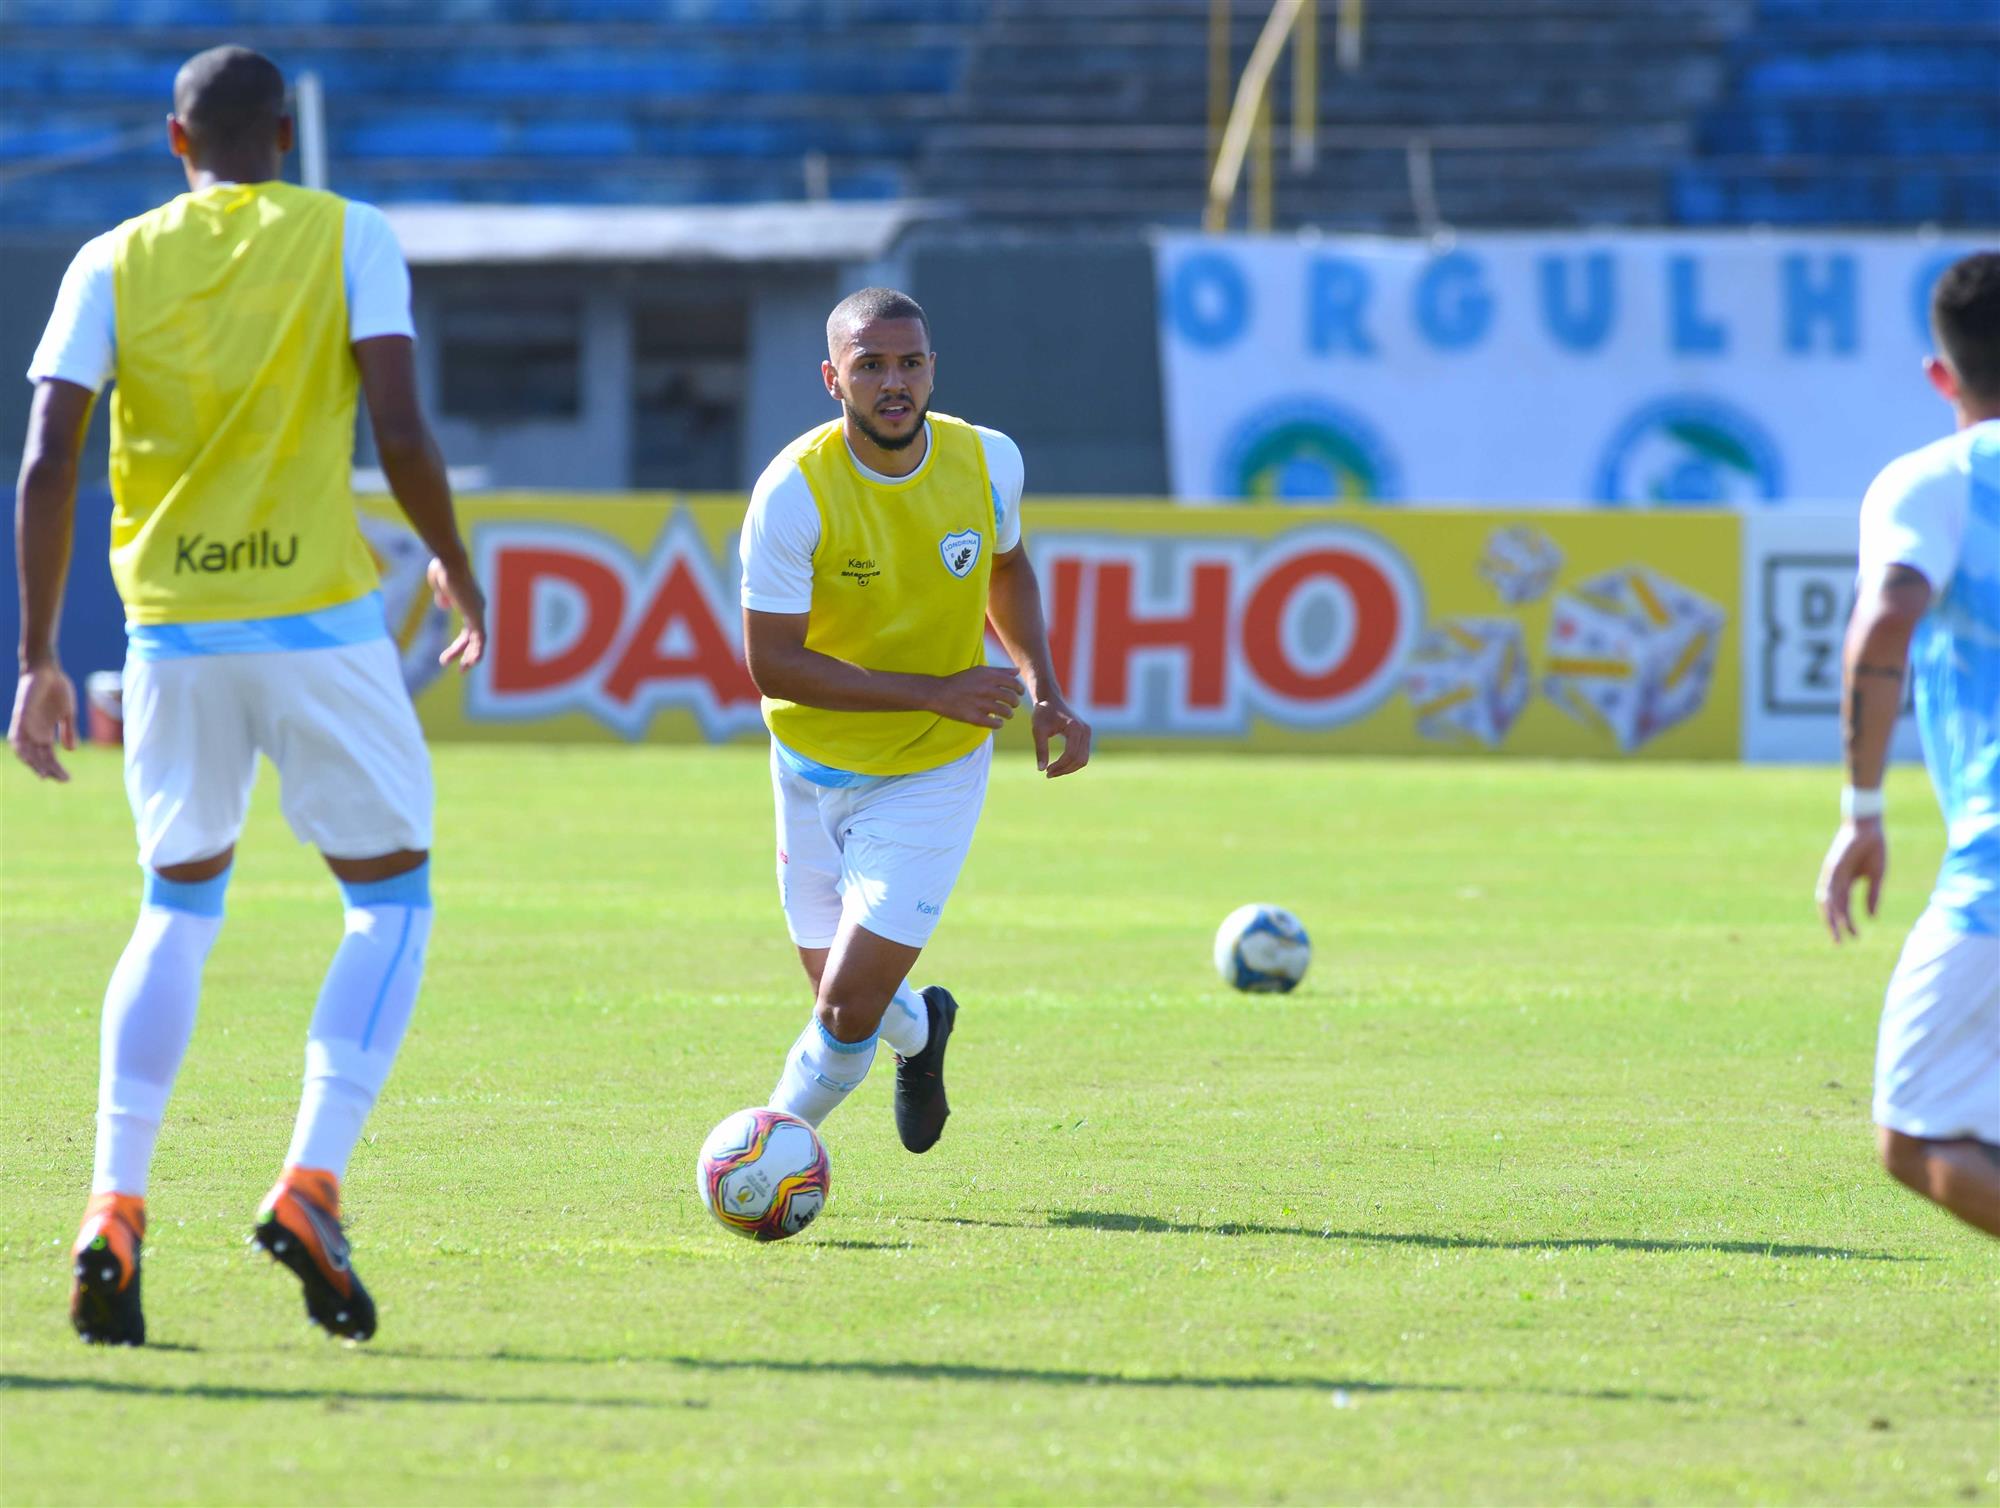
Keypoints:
(149, 1010)
(364, 1007)
(906, 1024)
(820, 1072)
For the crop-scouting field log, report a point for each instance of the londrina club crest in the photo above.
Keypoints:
(1689, 451)
(960, 551)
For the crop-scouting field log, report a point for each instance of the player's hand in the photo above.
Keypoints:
(456, 587)
(984, 696)
(1054, 719)
(1860, 852)
(44, 716)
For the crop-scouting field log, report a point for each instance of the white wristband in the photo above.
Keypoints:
(1858, 803)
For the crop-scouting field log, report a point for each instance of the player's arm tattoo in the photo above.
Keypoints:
(1877, 651)
(1864, 674)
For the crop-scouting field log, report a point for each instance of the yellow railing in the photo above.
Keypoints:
(1240, 131)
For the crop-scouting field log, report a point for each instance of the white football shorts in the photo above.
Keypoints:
(354, 776)
(1937, 1062)
(884, 854)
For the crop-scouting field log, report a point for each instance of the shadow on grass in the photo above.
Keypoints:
(974, 1372)
(239, 1393)
(1106, 1220)
(941, 1371)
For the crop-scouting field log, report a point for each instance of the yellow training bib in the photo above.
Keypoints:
(899, 584)
(232, 424)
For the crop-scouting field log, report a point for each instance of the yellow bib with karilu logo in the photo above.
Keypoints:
(899, 584)
(232, 423)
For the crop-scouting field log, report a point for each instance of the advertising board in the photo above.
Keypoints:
(1310, 629)
(1798, 592)
(1643, 369)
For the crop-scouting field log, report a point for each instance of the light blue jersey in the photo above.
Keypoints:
(1937, 510)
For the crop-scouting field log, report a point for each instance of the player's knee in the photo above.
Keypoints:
(388, 866)
(849, 1020)
(196, 888)
(198, 871)
(1905, 1158)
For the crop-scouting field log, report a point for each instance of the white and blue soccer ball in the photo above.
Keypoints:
(1262, 948)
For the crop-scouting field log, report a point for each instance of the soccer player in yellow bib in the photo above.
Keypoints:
(875, 551)
(239, 322)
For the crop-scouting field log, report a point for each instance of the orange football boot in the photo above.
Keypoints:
(104, 1296)
(299, 1226)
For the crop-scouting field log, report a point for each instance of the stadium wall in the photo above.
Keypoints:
(627, 376)
(1056, 343)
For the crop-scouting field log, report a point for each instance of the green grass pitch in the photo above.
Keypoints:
(1554, 1181)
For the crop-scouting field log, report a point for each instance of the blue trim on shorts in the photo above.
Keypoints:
(196, 897)
(825, 775)
(837, 1045)
(358, 622)
(410, 889)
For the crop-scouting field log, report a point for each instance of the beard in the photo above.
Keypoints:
(887, 442)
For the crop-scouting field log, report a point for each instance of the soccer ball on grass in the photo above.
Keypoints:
(764, 1174)
(1262, 949)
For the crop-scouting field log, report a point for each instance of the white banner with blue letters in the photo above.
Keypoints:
(1619, 369)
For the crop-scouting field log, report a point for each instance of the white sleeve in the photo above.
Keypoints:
(377, 277)
(79, 344)
(1914, 515)
(1008, 474)
(780, 533)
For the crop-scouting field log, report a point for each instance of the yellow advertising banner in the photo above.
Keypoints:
(1358, 630)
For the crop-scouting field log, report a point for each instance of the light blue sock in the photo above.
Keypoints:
(364, 1008)
(820, 1072)
(149, 1010)
(906, 1024)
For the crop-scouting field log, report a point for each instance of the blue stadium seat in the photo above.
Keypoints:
(808, 15)
(28, 139)
(1854, 112)
(1704, 195)
(644, 101)
(1878, 71)
(1817, 129)
(575, 138)
(442, 137)
(1849, 13)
